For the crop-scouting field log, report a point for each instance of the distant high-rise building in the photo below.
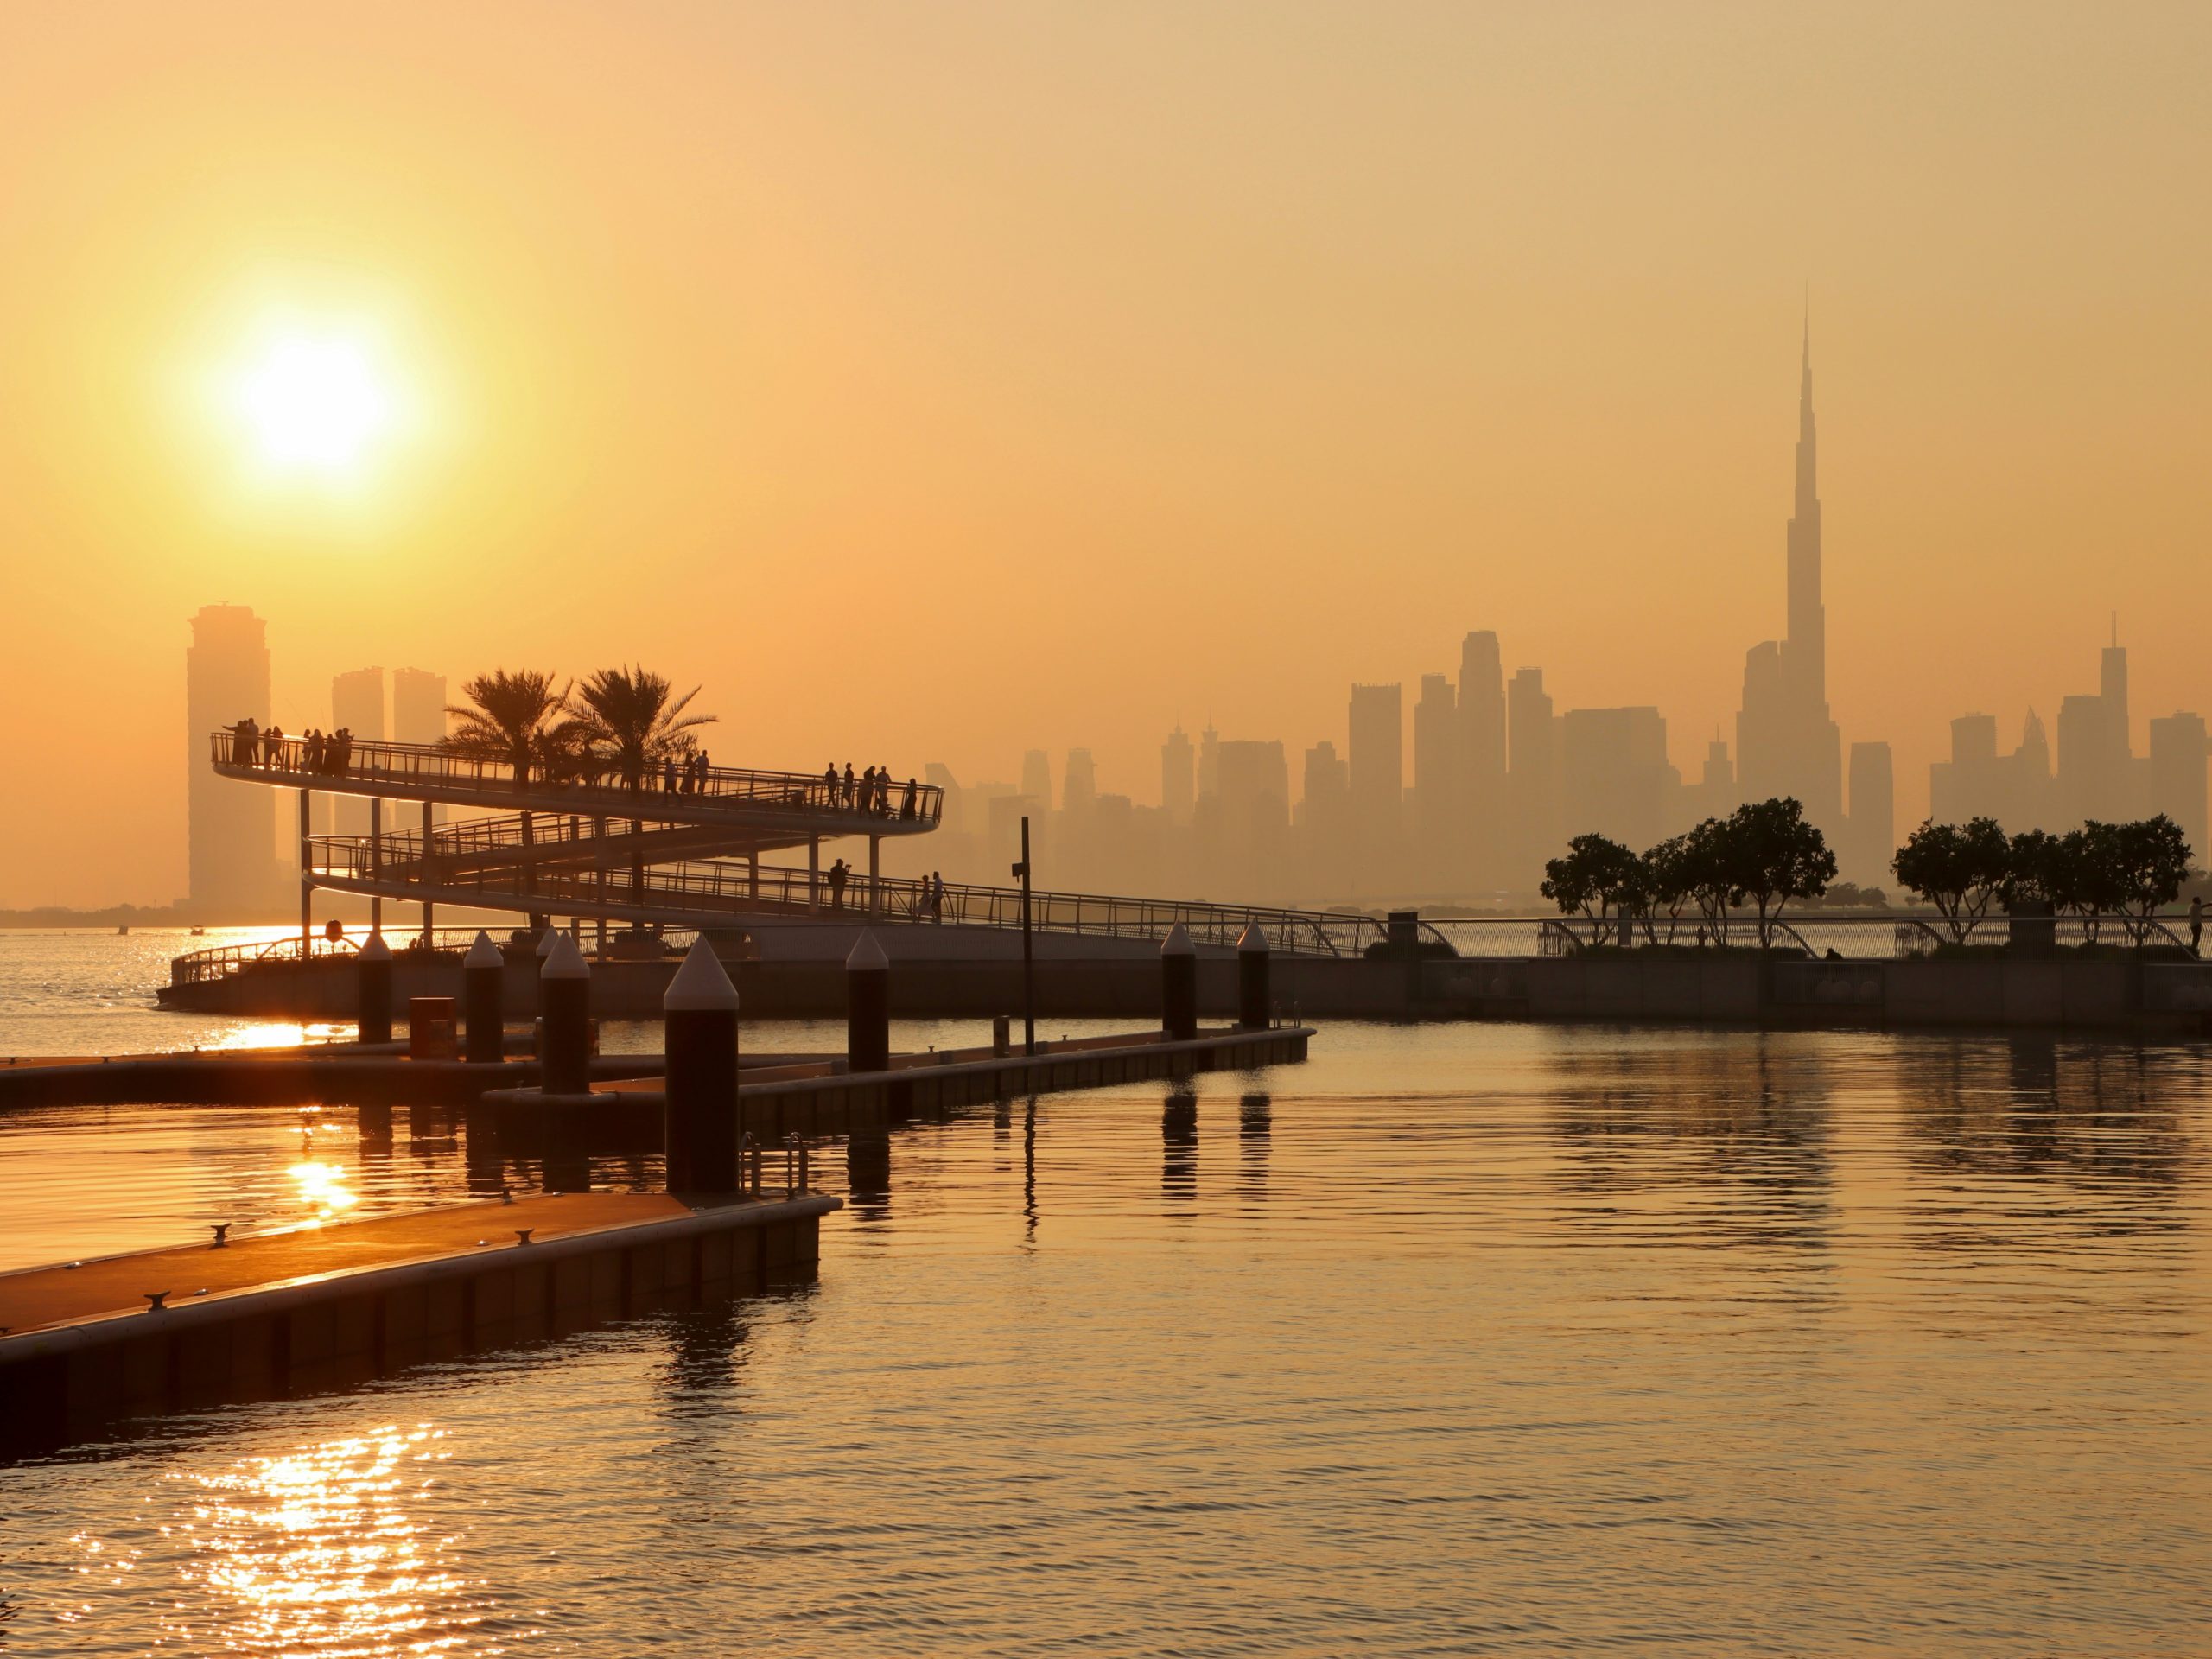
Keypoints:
(1786, 744)
(231, 829)
(1377, 776)
(418, 713)
(1439, 773)
(1713, 794)
(1324, 820)
(1208, 762)
(1037, 779)
(355, 706)
(1482, 739)
(1078, 784)
(952, 819)
(1531, 778)
(1870, 840)
(2177, 778)
(1177, 778)
(1615, 780)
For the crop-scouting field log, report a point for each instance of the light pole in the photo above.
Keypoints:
(1028, 963)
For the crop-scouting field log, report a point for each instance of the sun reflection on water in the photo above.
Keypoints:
(321, 1552)
(322, 1188)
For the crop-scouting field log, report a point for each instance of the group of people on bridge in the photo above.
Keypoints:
(928, 903)
(328, 752)
(869, 792)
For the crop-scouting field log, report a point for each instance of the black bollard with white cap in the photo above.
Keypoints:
(699, 1012)
(1255, 999)
(1178, 986)
(867, 1006)
(374, 964)
(483, 988)
(564, 1021)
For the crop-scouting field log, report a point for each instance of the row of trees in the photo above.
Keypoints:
(2126, 870)
(1765, 855)
(625, 720)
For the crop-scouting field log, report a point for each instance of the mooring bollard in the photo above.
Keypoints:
(1254, 1001)
(564, 1025)
(699, 1015)
(374, 965)
(1001, 1035)
(1178, 986)
(484, 983)
(867, 1006)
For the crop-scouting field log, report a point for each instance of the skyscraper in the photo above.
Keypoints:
(1177, 778)
(2178, 749)
(1438, 761)
(418, 713)
(1482, 739)
(1036, 780)
(355, 706)
(231, 834)
(1378, 768)
(1871, 840)
(1785, 743)
(1531, 779)
(1079, 784)
(1615, 780)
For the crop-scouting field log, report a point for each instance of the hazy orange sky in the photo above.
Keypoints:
(935, 381)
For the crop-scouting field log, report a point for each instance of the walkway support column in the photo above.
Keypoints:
(376, 863)
(867, 1007)
(427, 906)
(484, 984)
(564, 1021)
(307, 881)
(1255, 1001)
(700, 1037)
(373, 969)
(874, 871)
(1178, 986)
(813, 875)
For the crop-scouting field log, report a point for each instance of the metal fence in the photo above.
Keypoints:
(289, 760)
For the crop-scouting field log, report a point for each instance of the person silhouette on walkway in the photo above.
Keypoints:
(837, 873)
(851, 788)
(272, 745)
(245, 742)
(913, 797)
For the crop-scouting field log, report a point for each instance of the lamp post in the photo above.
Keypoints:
(1028, 961)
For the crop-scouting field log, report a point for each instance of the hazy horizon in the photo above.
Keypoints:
(935, 385)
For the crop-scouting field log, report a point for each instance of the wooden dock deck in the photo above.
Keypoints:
(328, 1306)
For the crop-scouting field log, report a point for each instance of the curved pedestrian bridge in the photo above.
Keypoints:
(761, 809)
(591, 846)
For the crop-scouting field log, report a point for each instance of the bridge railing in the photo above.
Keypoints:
(291, 759)
(225, 961)
(736, 888)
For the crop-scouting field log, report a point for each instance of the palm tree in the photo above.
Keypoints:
(516, 717)
(625, 717)
(519, 718)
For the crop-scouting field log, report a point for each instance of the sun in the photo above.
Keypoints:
(320, 403)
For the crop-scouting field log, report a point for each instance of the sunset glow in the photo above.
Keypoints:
(322, 404)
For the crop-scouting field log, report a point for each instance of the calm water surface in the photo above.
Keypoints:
(1458, 1339)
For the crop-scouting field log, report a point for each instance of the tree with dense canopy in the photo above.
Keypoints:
(1773, 855)
(1595, 875)
(1959, 868)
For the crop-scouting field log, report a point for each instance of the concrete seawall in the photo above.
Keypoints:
(2110, 993)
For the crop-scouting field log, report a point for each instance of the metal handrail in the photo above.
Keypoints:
(223, 961)
(421, 764)
(741, 888)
